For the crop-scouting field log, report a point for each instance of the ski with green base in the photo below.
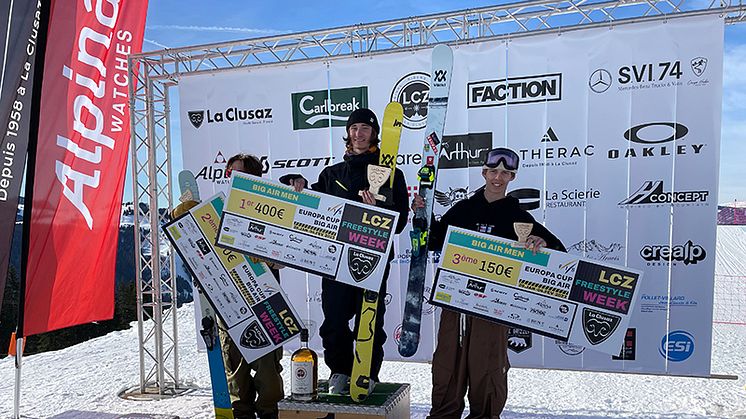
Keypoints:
(440, 84)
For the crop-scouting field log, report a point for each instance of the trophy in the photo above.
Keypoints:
(522, 230)
(377, 176)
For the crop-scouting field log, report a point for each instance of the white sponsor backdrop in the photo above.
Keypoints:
(610, 124)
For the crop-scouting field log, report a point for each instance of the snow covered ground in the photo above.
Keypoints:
(83, 381)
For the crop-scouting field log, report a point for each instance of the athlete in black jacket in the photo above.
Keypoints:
(341, 302)
(473, 353)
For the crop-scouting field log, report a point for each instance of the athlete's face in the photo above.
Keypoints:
(360, 135)
(496, 181)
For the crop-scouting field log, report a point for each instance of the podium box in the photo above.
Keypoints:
(388, 401)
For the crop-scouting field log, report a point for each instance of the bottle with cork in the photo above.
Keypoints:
(304, 365)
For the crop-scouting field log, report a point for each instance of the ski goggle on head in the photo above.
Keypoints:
(501, 158)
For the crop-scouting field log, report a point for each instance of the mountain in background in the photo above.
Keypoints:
(125, 306)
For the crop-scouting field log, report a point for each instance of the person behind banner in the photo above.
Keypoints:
(257, 395)
(341, 302)
(473, 353)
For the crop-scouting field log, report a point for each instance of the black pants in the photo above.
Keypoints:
(340, 303)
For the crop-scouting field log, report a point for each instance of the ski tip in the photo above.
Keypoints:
(408, 344)
(394, 106)
(443, 49)
(406, 352)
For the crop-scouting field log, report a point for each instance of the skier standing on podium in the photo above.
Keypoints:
(473, 353)
(341, 302)
(257, 395)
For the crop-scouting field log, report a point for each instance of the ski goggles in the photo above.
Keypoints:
(506, 156)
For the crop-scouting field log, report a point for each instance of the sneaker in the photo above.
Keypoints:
(339, 384)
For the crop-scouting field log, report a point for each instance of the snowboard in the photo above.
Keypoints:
(360, 381)
(220, 396)
(440, 83)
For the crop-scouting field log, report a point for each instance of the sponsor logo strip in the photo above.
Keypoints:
(242, 288)
(288, 247)
(513, 306)
(212, 266)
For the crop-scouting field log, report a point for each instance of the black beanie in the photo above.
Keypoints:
(365, 116)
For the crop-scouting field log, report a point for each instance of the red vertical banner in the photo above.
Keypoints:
(81, 160)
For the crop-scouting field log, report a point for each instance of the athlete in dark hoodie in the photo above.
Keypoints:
(480, 360)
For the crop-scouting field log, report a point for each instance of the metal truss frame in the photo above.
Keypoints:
(152, 74)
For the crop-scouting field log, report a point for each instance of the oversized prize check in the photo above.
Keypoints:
(551, 293)
(310, 231)
(242, 290)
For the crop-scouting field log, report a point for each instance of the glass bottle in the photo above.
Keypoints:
(304, 371)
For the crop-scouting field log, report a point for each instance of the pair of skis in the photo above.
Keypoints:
(440, 82)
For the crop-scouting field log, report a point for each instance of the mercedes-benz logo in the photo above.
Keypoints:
(600, 81)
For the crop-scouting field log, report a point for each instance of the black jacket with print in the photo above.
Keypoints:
(495, 218)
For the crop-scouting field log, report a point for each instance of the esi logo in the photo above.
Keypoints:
(677, 346)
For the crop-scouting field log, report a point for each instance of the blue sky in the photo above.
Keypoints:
(172, 24)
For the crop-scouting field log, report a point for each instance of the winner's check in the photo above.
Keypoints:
(243, 291)
(310, 231)
(552, 293)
